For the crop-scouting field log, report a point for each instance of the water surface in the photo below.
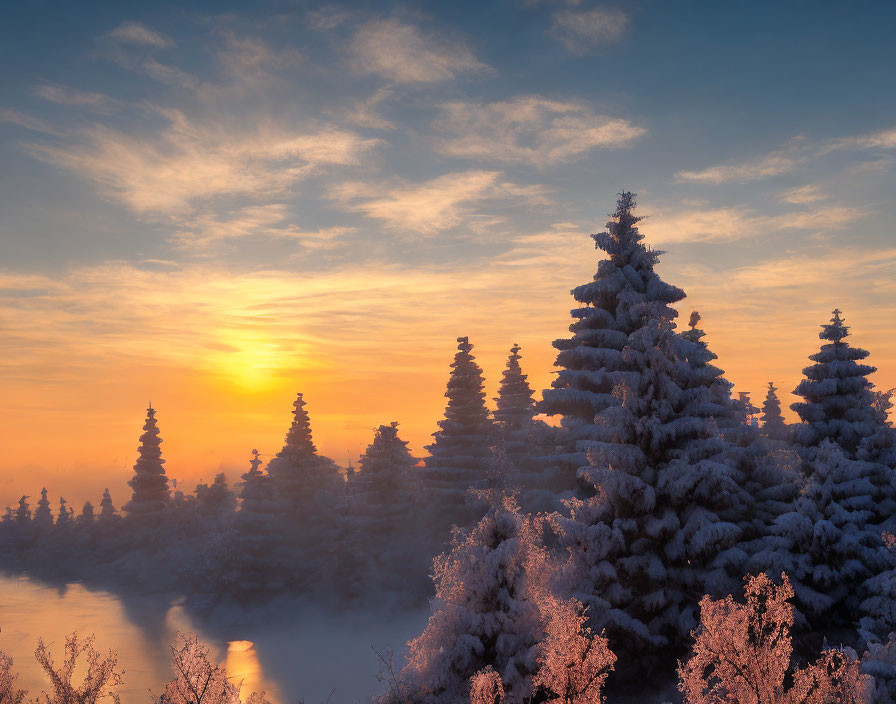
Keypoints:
(293, 651)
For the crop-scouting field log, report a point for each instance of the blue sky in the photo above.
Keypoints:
(308, 191)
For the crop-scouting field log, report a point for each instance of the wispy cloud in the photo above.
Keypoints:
(188, 162)
(730, 224)
(269, 221)
(66, 95)
(252, 59)
(405, 54)
(773, 164)
(588, 31)
(169, 75)
(802, 195)
(365, 113)
(428, 208)
(529, 129)
(28, 122)
(883, 139)
(137, 33)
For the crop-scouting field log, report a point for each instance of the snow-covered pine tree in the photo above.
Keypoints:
(664, 527)
(43, 515)
(515, 409)
(773, 425)
(514, 418)
(255, 536)
(590, 361)
(150, 484)
(838, 403)
(309, 492)
(745, 410)
(88, 516)
(383, 510)
(826, 545)
(216, 502)
(23, 512)
(485, 612)
(459, 456)
(64, 517)
(108, 514)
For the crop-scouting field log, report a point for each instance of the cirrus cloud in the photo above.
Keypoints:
(529, 129)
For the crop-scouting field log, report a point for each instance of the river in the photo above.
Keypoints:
(293, 651)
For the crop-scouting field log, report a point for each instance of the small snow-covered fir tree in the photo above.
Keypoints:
(515, 409)
(591, 360)
(384, 513)
(309, 492)
(216, 502)
(149, 483)
(88, 516)
(773, 425)
(838, 403)
(459, 456)
(23, 512)
(64, 517)
(43, 515)
(108, 514)
(256, 538)
(664, 526)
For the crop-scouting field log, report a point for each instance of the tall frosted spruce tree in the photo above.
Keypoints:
(591, 360)
(460, 454)
(664, 524)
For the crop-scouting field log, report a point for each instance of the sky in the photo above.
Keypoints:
(213, 206)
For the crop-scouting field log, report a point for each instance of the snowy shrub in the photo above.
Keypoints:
(197, 680)
(573, 663)
(8, 692)
(101, 676)
(486, 687)
(742, 655)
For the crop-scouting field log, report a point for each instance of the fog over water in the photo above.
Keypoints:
(292, 650)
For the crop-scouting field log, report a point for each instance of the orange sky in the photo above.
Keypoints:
(222, 355)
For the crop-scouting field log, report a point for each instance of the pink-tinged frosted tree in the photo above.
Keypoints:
(101, 677)
(485, 611)
(9, 694)
(486, 687)
(460, 452)
(198, 680)
(150, 484)
(573, 662)
(742, 655)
